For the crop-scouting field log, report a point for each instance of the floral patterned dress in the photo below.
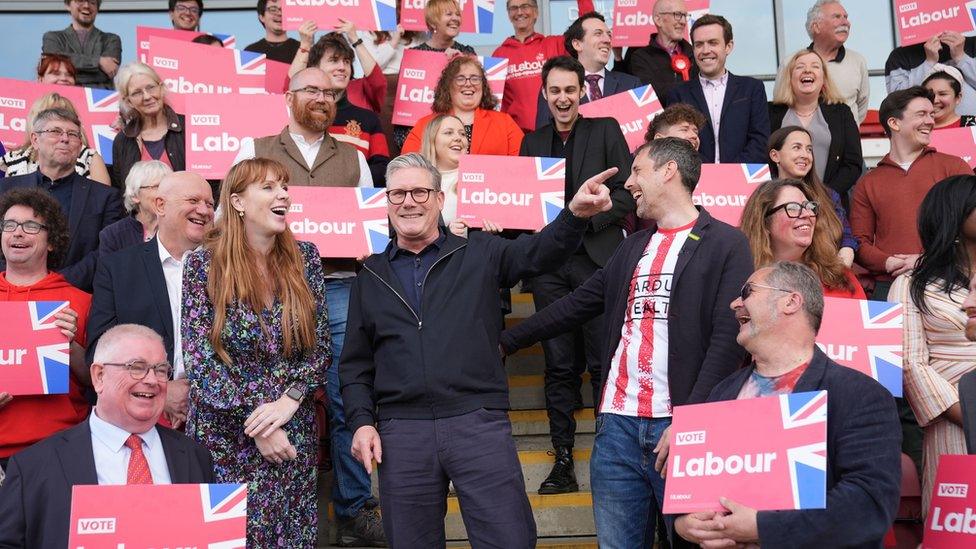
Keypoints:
(281, 499)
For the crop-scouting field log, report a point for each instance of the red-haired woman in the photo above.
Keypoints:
(256, 344)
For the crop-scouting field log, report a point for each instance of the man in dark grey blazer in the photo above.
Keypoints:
(118, 444)
(779, 312)
(95, 54)
(590, 146)
(588, 41)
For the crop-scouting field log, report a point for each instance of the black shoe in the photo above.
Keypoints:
(562, 478)
(363, 530)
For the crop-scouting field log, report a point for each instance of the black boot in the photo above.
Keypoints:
(562, 478)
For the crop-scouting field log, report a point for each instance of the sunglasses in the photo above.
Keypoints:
(747, 289)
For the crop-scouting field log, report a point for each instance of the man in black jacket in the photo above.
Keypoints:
(670, 334)
(421, 362)
(779, 312)
(589, 145)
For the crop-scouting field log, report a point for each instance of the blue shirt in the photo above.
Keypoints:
(411, 269)
(61, 189)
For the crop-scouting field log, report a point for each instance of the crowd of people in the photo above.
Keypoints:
(204, 337)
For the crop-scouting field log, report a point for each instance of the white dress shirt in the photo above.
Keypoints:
(173, 273)
(112, 455)
(714, 91)
(309, 152)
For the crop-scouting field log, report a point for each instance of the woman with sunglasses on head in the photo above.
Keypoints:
(790, 152)
(463, 91)
(151, 128)
(256, 345)
(784, 221)
(936, 351)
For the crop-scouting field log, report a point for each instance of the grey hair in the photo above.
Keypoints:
(116, 339)
(667, 149)
(54, 114)
(797, 277)
(816, 14)
(142, 173)
(414, 160)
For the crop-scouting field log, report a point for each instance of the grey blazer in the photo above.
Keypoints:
(85, 57)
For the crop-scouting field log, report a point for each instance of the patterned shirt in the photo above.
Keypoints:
(759, 385)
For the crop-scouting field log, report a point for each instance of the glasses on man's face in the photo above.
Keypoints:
(59, 133)
(473, 80)
(181, 8)
(93, 3)
(677, 15)
(139, 368)
(29, 227)
(419, 195)
(139, 95)
(272, 9)
(312, 91)
(521, 7)
(747, 289)
(795, 209)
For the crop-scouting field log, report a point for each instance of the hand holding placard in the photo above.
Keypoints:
(593, 196)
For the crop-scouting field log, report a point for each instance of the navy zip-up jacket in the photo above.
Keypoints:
(444, 360)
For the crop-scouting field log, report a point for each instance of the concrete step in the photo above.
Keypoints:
(535, 422)
(555, 515)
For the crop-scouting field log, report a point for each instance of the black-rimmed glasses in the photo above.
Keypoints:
(795, 209)
(29, 227)
(419, 195)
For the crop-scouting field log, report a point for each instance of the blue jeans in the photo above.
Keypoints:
(351, 485)
(627, 491)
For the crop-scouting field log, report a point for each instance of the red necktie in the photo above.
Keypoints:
(139, 472)
(594, 81)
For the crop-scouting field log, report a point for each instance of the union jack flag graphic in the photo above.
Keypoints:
(340, 221)
(249, 62)
(228, 39)
(633, 110)
(99, 100)
(102, 137)
(52, 359)
(552, 202)
(866, 336)
(756, 173)
(33, 351)
(971, 11)
(372, 204)
(496, 70)
(808, 462)
(386, 16)
(198, 515)
(477, 16)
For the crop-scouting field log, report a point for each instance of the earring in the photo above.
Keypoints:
(240, 213)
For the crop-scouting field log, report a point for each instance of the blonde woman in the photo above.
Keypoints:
(256, 344)
(805, 96)
(151, 128)
(24, 159)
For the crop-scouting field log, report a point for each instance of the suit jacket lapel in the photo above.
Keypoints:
(79, 196)
(691, 244)
(290, 147)
(696, 91)
(76, 455)
(326, 151)
(157, 283)
(609, 84)
(176, 459)
(730, 89)
(581, 138)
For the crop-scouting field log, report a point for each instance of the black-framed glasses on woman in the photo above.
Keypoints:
(473, 80)
(419, 195)
(139, 368)
(795, 209)
(29, 227)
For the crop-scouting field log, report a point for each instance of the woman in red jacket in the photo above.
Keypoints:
(463, 92)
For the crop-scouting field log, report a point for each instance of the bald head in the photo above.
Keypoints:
(185, 208)
(311, 76)
(672, 27)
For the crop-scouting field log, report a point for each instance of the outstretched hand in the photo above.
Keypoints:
(593, 196)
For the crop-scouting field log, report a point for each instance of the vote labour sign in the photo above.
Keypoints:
(365, 14)
(919, 20)
(343, 222)
(419, 73)
(217, 124)
(768, 453)
(960, 142)
(186, 67)
(632, 22)
(33, 351)
(194, 515)
(97, 110)
(143, 34)
(723, 189)
(633, 110)
(516, 192)
(866, 336)
(476, 15)
(951, 522)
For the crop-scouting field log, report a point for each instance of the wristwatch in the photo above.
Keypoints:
(357, 43)
(295, 394)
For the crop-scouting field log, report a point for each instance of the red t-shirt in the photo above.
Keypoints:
(29, 419)
(856, 293)
(524, 80)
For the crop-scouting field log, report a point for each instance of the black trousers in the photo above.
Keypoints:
(570, 354)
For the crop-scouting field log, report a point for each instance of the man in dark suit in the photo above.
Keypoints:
(89, 205)
(735, 106)
(670, 336)
(118, 444)
(779, 313)
(590, 146)
(588, 41)
(143, 284)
